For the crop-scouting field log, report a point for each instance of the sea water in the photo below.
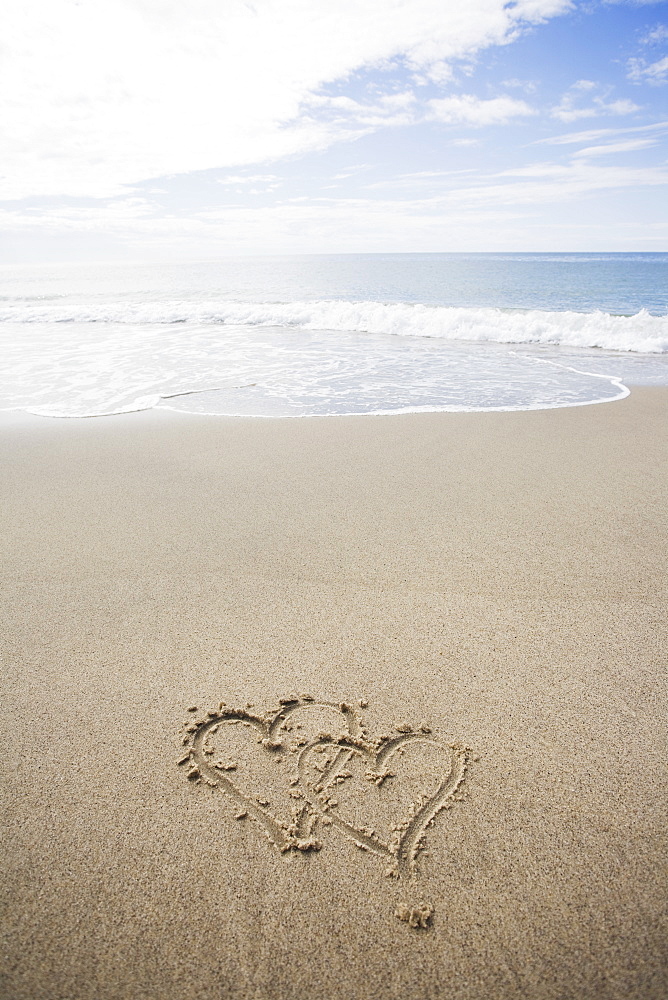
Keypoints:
(328, 335)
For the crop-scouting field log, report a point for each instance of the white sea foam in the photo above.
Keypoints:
(87, 369)
(643, 332)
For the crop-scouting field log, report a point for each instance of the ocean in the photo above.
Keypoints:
(331, 335)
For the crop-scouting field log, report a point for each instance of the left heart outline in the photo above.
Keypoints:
(299, 832)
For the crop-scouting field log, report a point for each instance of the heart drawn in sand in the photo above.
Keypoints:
(439, 778)
(330, 773)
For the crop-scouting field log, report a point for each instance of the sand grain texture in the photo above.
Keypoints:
(499, 579)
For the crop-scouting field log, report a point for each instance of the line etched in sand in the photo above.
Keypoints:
(322, 763)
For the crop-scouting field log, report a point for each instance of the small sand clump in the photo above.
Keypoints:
(417, 917)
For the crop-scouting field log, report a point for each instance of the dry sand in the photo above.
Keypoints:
(500, 578)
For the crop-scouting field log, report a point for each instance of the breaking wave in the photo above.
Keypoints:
(642, 333)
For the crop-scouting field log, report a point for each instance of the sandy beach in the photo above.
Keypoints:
(484, 594)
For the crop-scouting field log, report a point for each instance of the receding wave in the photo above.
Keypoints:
(643, 332)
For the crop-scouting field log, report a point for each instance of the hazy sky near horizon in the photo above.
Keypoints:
(159, 129)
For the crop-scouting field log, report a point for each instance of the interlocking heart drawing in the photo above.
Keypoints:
(310, 764)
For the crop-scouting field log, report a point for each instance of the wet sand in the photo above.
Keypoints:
(496, 579)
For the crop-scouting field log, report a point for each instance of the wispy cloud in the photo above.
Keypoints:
(595, 104)
(387, 110)
(528, 86)
(545, 183)
(646, 68)
(469, 110)
(450, 195)
(591, 135)
(655, 36)
(654, 72)
(610, 148)
(237, 179)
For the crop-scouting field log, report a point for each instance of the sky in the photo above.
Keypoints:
(159, 129)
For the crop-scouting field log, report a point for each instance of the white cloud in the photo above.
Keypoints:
(236, 179)
(641, 71)
(569, 109)
(591, 135)
(647, 70)
(469, 110)
(656, 35)
(567, 180)
(419, 180)
(387, 110)
(606, 149)
(102, 94)
(528, 86)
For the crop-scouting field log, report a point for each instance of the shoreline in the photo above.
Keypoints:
(626, 387)
(499, 578)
